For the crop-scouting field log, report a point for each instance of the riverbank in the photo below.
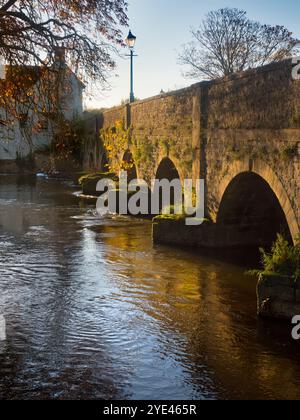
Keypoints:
(43, 165)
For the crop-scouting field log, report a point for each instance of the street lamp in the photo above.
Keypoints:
(130, 41)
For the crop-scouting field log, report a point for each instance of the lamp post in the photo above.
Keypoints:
(130, 41)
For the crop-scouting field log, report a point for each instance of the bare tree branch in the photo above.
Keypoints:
(228, 42)
(7, 6)
(89, 30)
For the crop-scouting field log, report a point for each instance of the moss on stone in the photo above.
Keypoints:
(96, 176)
(89, 182)
(176, 218)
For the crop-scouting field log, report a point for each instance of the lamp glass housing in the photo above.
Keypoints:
(130, 40)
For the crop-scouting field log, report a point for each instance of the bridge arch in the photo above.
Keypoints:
(252, 193)
(168, 169)
(129, 165)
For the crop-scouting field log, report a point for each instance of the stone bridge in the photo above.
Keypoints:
(241, 134)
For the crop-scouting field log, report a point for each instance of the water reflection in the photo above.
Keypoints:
(93, 310)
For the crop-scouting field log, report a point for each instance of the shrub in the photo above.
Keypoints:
(68, 140)
(284, 259)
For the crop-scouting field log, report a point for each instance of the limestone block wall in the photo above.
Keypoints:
(163, 127)
(110, 116)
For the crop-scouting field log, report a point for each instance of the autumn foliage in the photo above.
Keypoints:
(31, 30)
(34, 34)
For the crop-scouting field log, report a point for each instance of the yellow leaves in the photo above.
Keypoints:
(63, 14)
(127, 166)
(115, 140)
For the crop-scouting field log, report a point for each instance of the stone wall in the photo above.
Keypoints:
(264, 98)
(278, 297)
(9, 167)
(163, 127)
(110, 116)
(207, 235)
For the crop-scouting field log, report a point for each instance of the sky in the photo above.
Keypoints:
(162, 27)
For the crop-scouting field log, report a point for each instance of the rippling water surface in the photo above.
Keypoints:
(94, 311)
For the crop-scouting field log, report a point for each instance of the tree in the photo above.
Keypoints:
(43, 43)
(227, 42)
(32, 30)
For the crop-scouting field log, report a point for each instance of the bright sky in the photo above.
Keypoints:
(162, 26)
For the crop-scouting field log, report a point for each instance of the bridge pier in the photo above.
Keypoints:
(208, 235)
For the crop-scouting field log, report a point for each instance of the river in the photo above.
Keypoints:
(94, 311)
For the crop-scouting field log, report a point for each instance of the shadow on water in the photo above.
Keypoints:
(245, 257)
(94, 311)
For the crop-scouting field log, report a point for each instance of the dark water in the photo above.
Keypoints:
(94, 311)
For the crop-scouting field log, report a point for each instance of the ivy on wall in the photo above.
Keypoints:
(146, 147)
(272, 154)
(143, 153)
(286, 152)
(116, 141)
